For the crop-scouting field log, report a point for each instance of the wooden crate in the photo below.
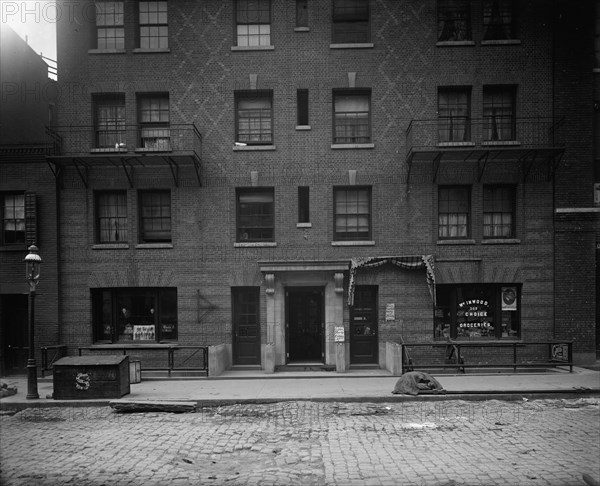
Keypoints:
(86, 377)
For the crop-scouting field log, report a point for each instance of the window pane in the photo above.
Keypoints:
(454, 115)
(498, 212)
(352, 214)
(155, 216)
(453, 212)
(351, 118)
(13, 219)
(111, 217)
(499, 113)
(254, 118)
(351, 21)
(454, 20)
(255, 215)
(498, 21)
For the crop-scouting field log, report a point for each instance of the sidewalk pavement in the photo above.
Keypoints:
(353, 386)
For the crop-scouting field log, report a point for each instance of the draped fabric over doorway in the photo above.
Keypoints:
(412, 262)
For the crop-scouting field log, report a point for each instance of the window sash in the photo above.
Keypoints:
(498, 212)
(253, 23)
(111, 222)
(155, 216)
(351, 119)
(453, 213)
(255, 216)
(498, 20)
(350, 21)
(255, 119)
(110, 122)
(13, 219)
(110, 25)
(352, 220)
(499, 114)
(454, 116)
(454, 20)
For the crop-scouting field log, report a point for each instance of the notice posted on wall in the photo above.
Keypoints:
(390, 312)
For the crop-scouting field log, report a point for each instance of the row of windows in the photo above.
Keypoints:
(351, 116)
(466, 311)
(350, 22)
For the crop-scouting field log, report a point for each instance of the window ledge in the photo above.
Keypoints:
(110, 246)
(455, 43)
(20, 247)
(303, 127)
(499, 143)
(456, 242)
(357, 45)
(353, 243)
(501, 42)
(301, 29)
(501, 241)
(249, 148)
(153, 246)
(145, 50)
(106, 51)
(252, 48)
(303, 225)
(255, 244)
(146, 150)
(341, 146)
(456, 144)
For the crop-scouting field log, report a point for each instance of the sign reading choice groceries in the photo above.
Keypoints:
(475, 313)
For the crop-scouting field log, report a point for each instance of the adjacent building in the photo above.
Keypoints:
(304, 183)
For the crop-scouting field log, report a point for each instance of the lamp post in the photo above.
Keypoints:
(32, 266)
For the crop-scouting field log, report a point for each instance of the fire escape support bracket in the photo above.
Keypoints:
(128, 172)
(532, 155)
(197, 170)
(555, 162)
(82, 171)
(436, 166)
(174, 170)
(481, 164)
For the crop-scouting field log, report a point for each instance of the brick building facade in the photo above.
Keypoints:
(305, 182)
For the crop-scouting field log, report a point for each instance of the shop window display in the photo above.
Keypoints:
(477, 312)
(135, 315)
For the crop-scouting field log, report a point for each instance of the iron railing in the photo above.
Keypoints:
(178, 358)
(536, 132)
(182, 139)
(463, 355)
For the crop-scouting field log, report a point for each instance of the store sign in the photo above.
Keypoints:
(509, 298)
(474, 314)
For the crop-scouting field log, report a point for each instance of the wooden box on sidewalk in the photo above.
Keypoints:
(86, 377)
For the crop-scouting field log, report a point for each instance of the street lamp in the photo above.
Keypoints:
(32, 266)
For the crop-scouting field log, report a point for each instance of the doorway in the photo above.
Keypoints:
(14, 333)
(363, 326)
(305, 324)
(246, 325)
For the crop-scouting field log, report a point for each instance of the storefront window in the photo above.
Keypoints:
(477, 311)
(141, 315)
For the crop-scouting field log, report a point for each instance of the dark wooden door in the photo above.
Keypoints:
(363, 326)
(15, 333)
(246, 326)
(304, 311)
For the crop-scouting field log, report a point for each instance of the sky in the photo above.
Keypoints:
(34, 19)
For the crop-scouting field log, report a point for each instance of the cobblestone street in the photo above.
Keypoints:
(537, 442)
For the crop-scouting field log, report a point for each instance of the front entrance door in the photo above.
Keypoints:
(15, 333)
(305, 325)
(246, 325)
(363, 326)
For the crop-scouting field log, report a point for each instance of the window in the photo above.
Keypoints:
(499, 113)
(253, 23)
(301, 13)
(350, 22)
(110, 120)
(498, 20)
(13, 219)
(155, 216)
(454, 212)
(454, 114)
(302, 107)
(154, 30)
(303, 204)
(109, 25)
(255, 215)
(155, 134)
(498, 212)
(134, 314)
(477, 311)
(254, 111)
(351, 117)
(454, 20)
(111, 217)
(352, 208)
